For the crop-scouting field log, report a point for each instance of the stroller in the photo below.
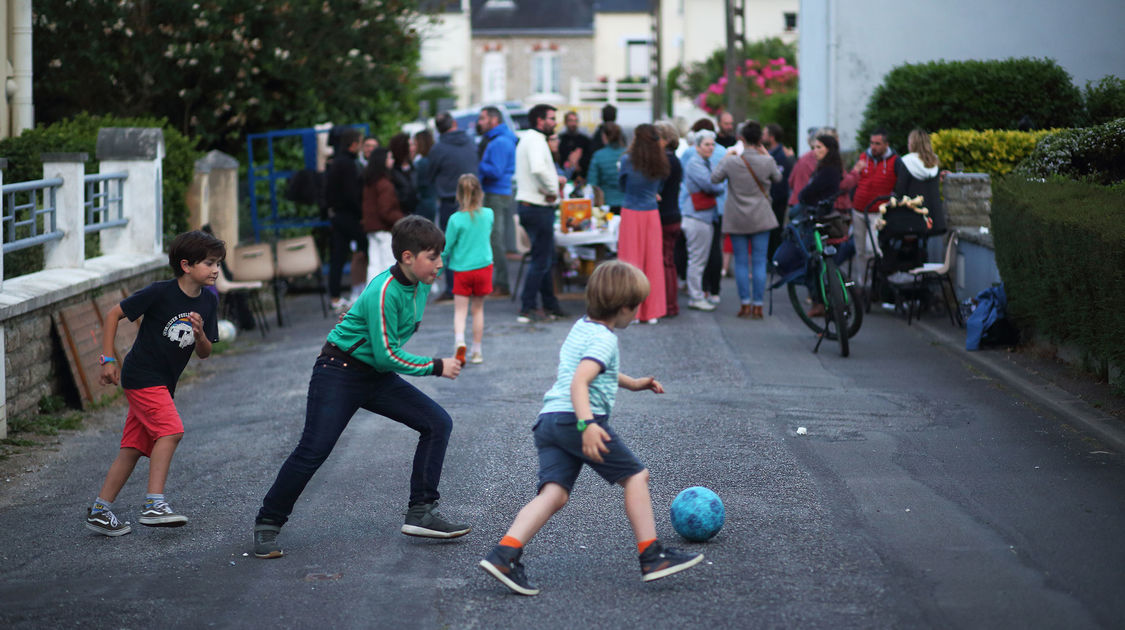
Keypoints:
(901, 233)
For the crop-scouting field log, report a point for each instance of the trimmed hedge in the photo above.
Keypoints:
(1060, 247)
(1092, 154)
(993, 151)
(80, 135)
(994, 94)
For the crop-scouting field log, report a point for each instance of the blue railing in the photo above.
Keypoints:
(31, 223)
(104, 207)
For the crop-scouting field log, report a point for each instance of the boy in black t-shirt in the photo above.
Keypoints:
(179, 317)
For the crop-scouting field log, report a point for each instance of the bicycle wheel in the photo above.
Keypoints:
(801, 301)
(836, 310)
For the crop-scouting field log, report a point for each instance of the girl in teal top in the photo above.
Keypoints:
(468, 253)
(602, 174)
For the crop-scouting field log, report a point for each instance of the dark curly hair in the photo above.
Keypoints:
(645, 152)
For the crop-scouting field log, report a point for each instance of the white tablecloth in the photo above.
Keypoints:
(607, 237)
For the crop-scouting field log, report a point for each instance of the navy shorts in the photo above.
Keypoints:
(559, 443)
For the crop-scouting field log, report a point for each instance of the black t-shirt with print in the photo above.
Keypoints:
(165, 341)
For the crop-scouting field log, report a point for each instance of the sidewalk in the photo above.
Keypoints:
(1047, 383)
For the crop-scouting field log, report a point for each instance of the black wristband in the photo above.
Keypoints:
(438, 366)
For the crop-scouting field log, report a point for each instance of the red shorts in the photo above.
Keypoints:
(152, 415)
(475, 283)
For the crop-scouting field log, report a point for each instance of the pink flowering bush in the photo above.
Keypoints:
(761, 79)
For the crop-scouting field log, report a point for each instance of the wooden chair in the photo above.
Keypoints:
(298, 258)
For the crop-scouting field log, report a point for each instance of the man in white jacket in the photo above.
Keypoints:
(537, 191)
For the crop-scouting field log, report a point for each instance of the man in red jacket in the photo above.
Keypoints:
(872, 176)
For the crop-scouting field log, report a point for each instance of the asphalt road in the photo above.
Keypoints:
(925, 494)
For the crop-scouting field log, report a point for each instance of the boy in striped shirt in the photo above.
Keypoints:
(360, 367)
(573, 431)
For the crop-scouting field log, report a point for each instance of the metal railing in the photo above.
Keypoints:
(611, 91)
(31, 223)
(101, 201)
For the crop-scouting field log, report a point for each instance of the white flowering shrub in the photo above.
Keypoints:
(1090, 154)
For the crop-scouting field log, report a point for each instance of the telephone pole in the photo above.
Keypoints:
(656, 77)
(736, 40)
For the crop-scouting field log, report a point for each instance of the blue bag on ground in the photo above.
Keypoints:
(988, 324)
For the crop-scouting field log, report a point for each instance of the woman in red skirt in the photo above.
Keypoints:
(640, 238)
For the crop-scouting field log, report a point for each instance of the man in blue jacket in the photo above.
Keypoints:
(497, 166)
(452, 156)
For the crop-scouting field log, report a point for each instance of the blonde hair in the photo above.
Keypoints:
(614, 285)
(919, 142)
(667, 132)
(470, 196)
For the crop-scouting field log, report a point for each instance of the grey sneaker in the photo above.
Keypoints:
(265, 541)
(659, 561)
(105, 523)
(423, 520)
(503, 563)
(160, 514)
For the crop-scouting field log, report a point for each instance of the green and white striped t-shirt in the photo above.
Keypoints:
(586, 340)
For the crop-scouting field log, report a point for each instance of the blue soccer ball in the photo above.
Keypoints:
(698, 514)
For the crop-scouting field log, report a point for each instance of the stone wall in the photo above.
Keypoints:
(34, 361)
(968, 199)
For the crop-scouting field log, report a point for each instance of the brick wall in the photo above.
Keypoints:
(968, 199)
(35, 364)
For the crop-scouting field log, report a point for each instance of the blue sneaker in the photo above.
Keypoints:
(503, 563)
(659, 561)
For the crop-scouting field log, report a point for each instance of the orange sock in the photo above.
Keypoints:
(641, 546)
(508, 541)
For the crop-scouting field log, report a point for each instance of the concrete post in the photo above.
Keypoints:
(139, 152)
(70, 211)
(3, 348)
(198, 197)
(222, 193)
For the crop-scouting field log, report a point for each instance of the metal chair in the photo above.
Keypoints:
(913, 284)
(229, 288)
(254, 263)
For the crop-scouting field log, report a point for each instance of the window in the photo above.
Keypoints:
(493, 77)
(638, 58)
(545, 73)
(790, 22)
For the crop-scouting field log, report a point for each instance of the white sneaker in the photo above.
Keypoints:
(653, 321)
(476, 357)
(701, 305)
(714, 299)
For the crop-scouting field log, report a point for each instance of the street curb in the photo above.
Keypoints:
(1042, 392)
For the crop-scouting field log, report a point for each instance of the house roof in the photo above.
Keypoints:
(623, 6)
(515, 17)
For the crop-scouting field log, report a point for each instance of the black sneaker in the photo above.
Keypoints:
(528, 317)
(659, 561)
(556, 314)
(503, 563)
(423, 520)
(105, 522)
(160, 514)
(265, 541)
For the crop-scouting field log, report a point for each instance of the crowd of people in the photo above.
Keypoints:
(696, 204)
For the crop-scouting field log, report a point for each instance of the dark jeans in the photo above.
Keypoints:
(713, 272)
(671, 234)
(335, 394)
(345, 229)
(539, 222)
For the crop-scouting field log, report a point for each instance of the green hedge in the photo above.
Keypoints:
(994, 94)
(996, 152)
(1093, 154)
(80, 135)
(1060, 247)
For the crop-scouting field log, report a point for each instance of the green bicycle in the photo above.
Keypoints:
(807, 253)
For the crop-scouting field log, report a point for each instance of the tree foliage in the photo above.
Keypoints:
(217, 69)
(705, 82)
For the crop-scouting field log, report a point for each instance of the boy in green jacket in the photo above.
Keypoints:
(358, 367)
